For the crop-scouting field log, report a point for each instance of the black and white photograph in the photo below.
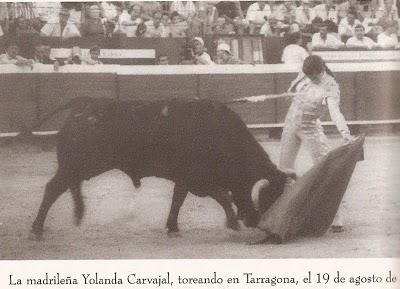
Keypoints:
(144, 130)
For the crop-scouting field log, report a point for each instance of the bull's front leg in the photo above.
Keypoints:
(223, 198)
(54, 188)
(179, 196)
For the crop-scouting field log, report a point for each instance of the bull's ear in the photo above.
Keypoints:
(165, 111)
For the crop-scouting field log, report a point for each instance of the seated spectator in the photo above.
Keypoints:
(185, 9)
(150, 7)
(218, 26)
(360, 40)
(256, 16)
(75, 13)
(198, 23)
(200, 55)
(326, 11)
(348, 24)
(326, 40)
(279, 10)
(60, 26)
(135, 20)
(94, 56)
(345, 6)
(109, 11)
(272, 28)
(371, 24)
(93, 23)
(162, 59)
(240, 25)
(123, 17)
(23, 26)
(388, 11)
(293, 53)
(229, 10)
(224, 55)
(177, 27)
(155, 28)
(11, 56)
(166, 21)
(46, 10)
(303, 15)
(388, 38)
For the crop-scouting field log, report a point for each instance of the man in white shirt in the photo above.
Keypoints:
(293, 53)
(326, 11)
(323, 39)
(155, 28)
(359, 40)
(348, 24)
(256, 15)
(60, 26)
(304, 14)
(388, 38)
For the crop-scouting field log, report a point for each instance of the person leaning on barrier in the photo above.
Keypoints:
(224, 55)
(93, 59)
(388, 38)
(199, 52)
(360, 40)
(11, 56)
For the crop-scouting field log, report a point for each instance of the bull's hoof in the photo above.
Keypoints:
(174, 234)
(233, 224)
(35, 235)
(269, 239)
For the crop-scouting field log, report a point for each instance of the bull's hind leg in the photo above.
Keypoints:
(78, 202)
(180, 193)
(223, 198)
(54, 188)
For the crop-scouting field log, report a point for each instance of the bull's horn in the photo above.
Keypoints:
(255, 190)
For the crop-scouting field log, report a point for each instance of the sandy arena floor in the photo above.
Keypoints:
(124, 223)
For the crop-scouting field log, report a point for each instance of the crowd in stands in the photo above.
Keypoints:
(330, 24)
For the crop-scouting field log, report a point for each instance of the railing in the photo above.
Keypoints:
(369, 93)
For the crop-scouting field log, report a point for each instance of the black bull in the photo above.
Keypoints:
(201, 145)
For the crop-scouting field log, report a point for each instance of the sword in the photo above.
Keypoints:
(263, 97)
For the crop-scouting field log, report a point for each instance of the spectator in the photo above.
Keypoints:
(224, 55)
(199, 53)
(23, 26)
(326, 11)
(150, 7)
(178, 26)
(272, 28)
(323, 39)
(198, 23)
(11, 56)
(42, 55)
(218, 26)
(279, 10)
(46, 10)
(348, 24)
(388, 38)
(75, 13)
(94, 56)
(303, 15)
(186, 9)
(123, 18)
(370, 23)
(93, 23)
(229, 10)
(293, 53)
(131, 25)
(166, 21)
(109, 11)
(155, 28)
(256, 16)
(347, 5)
(162, 59)
(388, 11)
(360, 40)
(60, 26)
